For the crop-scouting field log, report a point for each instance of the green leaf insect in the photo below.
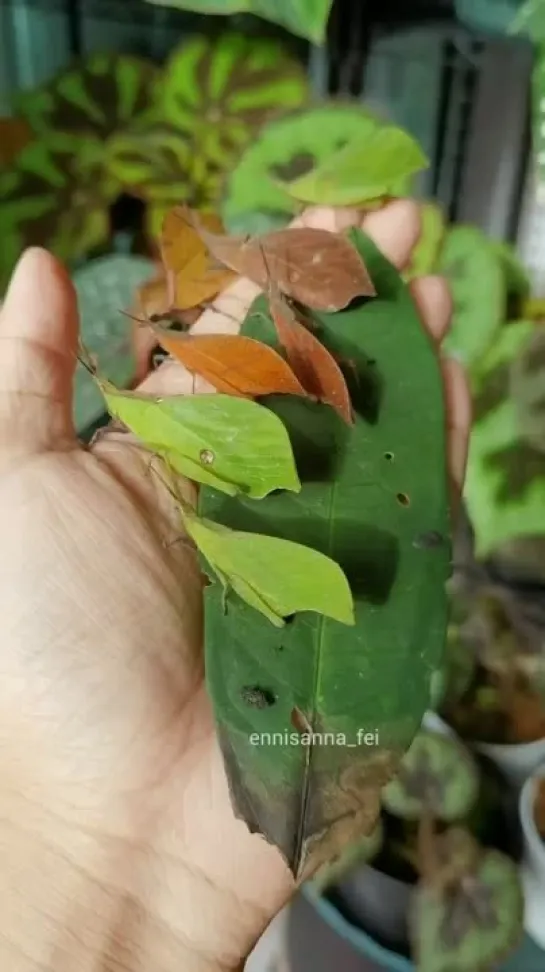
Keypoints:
(276, 577)
(232, 444)
(367, 169)
(374, 498)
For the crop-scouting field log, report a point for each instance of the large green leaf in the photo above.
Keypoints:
(82, 106)
(374, 498)
(306, 18)
(370, 167)
(505, 481)
(218, 93)
(45, 203)
(478, 286)
(285, 149)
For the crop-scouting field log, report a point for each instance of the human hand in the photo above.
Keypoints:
(120, 849)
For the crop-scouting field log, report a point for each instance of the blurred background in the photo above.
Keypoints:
(114, 111)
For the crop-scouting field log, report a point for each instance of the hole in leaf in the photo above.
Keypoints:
(298, 165)
(389, 456)
(257, 697)
(403, 499)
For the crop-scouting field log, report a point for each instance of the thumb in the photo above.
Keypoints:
(38, 346)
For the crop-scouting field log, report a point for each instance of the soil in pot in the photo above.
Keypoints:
(505, 714)
(539, 808)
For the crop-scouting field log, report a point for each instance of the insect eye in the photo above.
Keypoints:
(207, 457)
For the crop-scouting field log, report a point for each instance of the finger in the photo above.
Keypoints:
(325, 217)
(38, 346)
(395, 230)
(458, 412)
(433, 302)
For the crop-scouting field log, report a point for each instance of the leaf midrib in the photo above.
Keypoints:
(317, 679)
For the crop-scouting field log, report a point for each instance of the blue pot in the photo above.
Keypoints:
(367, 954)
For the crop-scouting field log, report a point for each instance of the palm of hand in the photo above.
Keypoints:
(115, 791)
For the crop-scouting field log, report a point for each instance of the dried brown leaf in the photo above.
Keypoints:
(193, 277)
(232, 363)
(315, 267)
(314, 365)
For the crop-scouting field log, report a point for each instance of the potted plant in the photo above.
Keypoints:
(431, 862)
(494, 690)
(532, 818)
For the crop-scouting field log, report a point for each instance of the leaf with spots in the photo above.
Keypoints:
(275, 577)
(158, 166)
(45, 203)
(369, 491)
(305, 18)
(283, 150)
(218, 93)
(437, 775)
(370, 167)
(316, 267)
(478, 287)
(80, 108)
(505, 481)
(314, 365)
(195, 277)
(472, 923)
(232, 444)
(233, 364)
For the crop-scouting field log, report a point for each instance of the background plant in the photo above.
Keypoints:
(466, 902)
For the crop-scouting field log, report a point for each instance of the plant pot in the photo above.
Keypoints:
(362, 896)
(488, 16)
(517, 761)
(321, 938)
(533, 863)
